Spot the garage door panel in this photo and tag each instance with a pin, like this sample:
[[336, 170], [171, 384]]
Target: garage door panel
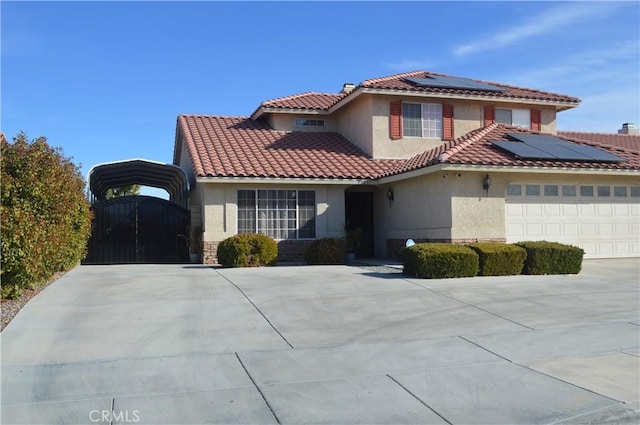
[[587, 210], [605, 230], [570, 229], [602, 226], [604, 210], [553, 229], [569, 210], [533, 210]]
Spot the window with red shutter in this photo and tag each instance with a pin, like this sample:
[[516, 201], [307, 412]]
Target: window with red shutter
[[395, 120], [536, 119], [447, 121], [489, 115]]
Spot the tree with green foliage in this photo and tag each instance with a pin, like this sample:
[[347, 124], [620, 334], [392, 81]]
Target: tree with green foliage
[[132, 189], [45, 215]]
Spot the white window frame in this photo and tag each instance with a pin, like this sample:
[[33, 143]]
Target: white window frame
[[517, 117], [274, 207], [430, 120]]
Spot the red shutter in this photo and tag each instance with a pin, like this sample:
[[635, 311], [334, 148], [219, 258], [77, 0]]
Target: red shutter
[[489, 115], [536, 118], [447, 122], [395, 120]]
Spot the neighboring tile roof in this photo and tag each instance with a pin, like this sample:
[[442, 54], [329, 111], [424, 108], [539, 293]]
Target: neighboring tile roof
[[398, 82], [625, 141], [241, 147], [307, 100], [475, 149]]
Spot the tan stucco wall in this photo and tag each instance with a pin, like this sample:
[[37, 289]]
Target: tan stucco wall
[[421, 209], [355, 123], [220, 210], [365, 122]]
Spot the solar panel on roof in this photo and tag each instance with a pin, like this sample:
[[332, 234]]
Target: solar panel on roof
[[534, 138], [595, 153], [453, 83], [534, 146], [523, 150]]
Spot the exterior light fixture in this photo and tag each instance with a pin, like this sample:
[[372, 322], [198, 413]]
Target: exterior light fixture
[[390, 195], [486, 183]]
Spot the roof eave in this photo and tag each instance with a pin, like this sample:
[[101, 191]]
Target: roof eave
[[534, 169], [262, 110], [285, 180], [561, 106]]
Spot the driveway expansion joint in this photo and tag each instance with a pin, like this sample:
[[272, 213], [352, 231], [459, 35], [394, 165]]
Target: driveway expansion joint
[[472, 305], [418, 398], [256, 307], [266, 402]]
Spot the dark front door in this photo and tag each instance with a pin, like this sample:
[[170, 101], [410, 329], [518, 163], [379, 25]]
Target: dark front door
[[359, 214], [138, 229]]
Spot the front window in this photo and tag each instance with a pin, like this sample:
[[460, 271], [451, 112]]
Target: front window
[[279, 214], [422, 120], [514, 117]]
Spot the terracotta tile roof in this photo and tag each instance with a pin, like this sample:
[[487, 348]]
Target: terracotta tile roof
[[399, 82], [625, 141], [475, 149], [241, 147], [307, 100]]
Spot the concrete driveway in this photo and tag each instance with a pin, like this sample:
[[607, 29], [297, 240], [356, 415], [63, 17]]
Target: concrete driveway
[[171, 344]]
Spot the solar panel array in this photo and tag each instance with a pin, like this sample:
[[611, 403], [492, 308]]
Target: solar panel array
[[453, 83], [533, 146]]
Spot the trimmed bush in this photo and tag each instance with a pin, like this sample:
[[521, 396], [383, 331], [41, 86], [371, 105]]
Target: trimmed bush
[[325, 251], [45, 215], [248, 250], [551, 258], [499, 259], [440, 260]]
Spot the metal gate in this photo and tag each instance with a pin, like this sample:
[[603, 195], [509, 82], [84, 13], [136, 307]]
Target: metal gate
[[138, 229]]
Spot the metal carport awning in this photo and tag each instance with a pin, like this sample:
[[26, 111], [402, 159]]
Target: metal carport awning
[[143, 172]]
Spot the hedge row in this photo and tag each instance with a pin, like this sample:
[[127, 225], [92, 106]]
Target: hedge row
[[442, 260], [45, 215]]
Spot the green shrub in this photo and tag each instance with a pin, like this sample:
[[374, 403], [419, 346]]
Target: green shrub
[[325, 251], [551, 258], [499, 259], [440, 260], [45, 215], [248, 250]]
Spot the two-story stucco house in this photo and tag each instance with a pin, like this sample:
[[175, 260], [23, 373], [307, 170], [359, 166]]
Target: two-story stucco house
[[416, 155]]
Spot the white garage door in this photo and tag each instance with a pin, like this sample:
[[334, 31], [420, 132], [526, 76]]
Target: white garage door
[[602, 220]]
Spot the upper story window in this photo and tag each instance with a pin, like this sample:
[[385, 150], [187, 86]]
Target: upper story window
[[303, 122], [514, 117], [422, 120], [525, 118]]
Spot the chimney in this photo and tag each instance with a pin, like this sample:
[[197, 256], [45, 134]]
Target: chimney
[[629, 128], [347, 88]]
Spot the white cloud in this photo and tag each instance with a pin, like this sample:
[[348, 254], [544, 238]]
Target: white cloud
[[602, 112], [591, 68], [551, 20]]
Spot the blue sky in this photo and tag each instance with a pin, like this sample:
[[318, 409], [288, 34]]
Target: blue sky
[[106, 80]]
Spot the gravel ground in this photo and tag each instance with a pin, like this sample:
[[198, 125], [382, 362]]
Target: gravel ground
[[11, 307]]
